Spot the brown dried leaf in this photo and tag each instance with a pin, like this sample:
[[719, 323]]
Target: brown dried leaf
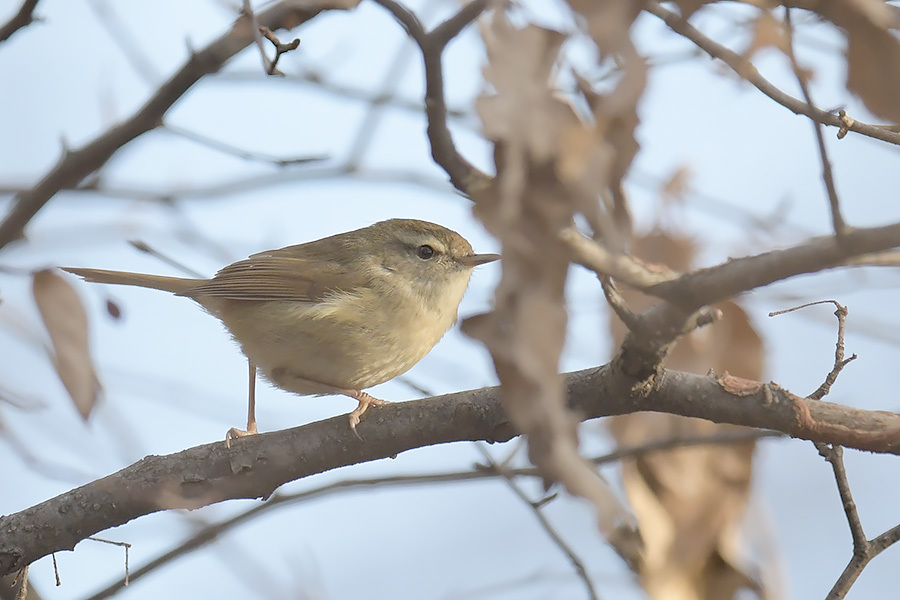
[[523, 113], [66, 321], [873, 53], [873, 57], [689, 502], [768, 33], [525, 207], [608, 22]]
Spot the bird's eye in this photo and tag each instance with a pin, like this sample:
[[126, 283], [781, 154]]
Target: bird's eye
[[425, 252]]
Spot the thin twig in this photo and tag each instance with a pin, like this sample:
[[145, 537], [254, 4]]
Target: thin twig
[[837, 220], [605, 262], [239, 152], [742, 67], [386, 90], [535, 507], [125, 40], [463, 175], [280, 48], [618, 304], [125, 545], [839, 361], [864, 550], [247, 11], [147, 249], [75, 165], [312, 77]]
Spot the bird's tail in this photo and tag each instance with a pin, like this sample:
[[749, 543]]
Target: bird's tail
[[177, 285]]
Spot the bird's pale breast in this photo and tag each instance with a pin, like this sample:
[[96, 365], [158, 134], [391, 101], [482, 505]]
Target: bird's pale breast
[[350, 340]]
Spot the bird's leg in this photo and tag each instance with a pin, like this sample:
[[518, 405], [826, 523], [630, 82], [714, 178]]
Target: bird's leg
[[284, 378], [234, 432]]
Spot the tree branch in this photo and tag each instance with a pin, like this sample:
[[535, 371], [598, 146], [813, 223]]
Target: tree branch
[[707, 286], [747, 71], [213, 531], [257, 465], [75, 165], [21, 19], [463, 175], [837, 220]]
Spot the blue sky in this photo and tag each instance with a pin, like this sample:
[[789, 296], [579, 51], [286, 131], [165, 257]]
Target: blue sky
[[173, 379]]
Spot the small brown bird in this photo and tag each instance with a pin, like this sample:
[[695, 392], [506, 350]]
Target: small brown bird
[[337, 315]]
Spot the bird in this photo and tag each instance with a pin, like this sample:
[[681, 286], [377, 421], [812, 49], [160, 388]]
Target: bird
[[336, 315]]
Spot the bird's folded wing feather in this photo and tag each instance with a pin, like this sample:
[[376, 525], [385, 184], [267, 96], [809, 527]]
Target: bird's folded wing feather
[[273, 276]]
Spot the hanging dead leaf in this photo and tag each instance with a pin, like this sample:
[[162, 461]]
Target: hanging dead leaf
[[608, 22], [873, 52], [690, 502], [767, 33], [524, 113], [66, 321], [546, 162], [873, 59]]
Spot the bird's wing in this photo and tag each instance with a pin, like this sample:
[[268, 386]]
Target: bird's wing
[[276, 276]]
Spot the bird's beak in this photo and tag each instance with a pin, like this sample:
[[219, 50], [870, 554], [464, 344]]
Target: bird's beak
[[473, 260]]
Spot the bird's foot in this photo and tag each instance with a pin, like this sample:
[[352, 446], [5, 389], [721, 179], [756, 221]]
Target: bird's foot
[[365, 401], [235, 433]]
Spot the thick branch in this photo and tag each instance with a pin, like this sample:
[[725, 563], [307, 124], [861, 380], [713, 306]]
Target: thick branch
[[256, 466], [728, 279], [75, 165]]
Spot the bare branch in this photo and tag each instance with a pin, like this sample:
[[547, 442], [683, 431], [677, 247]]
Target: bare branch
[[746, 70], [863, 549], [258, 465], [247, 13], [605, 262], [213, 531], [75, 165], [280, 48], [839, 361], [837, 220], [535, 508], [239, 152], [21, 19], [707, 286], [463, 175], [124, 39]]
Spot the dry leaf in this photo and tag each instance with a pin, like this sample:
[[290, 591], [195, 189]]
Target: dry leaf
[[873, 53], [767, 33], [66, 321], [608, 22], [689, 502], [539, 141], [523, 113]]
